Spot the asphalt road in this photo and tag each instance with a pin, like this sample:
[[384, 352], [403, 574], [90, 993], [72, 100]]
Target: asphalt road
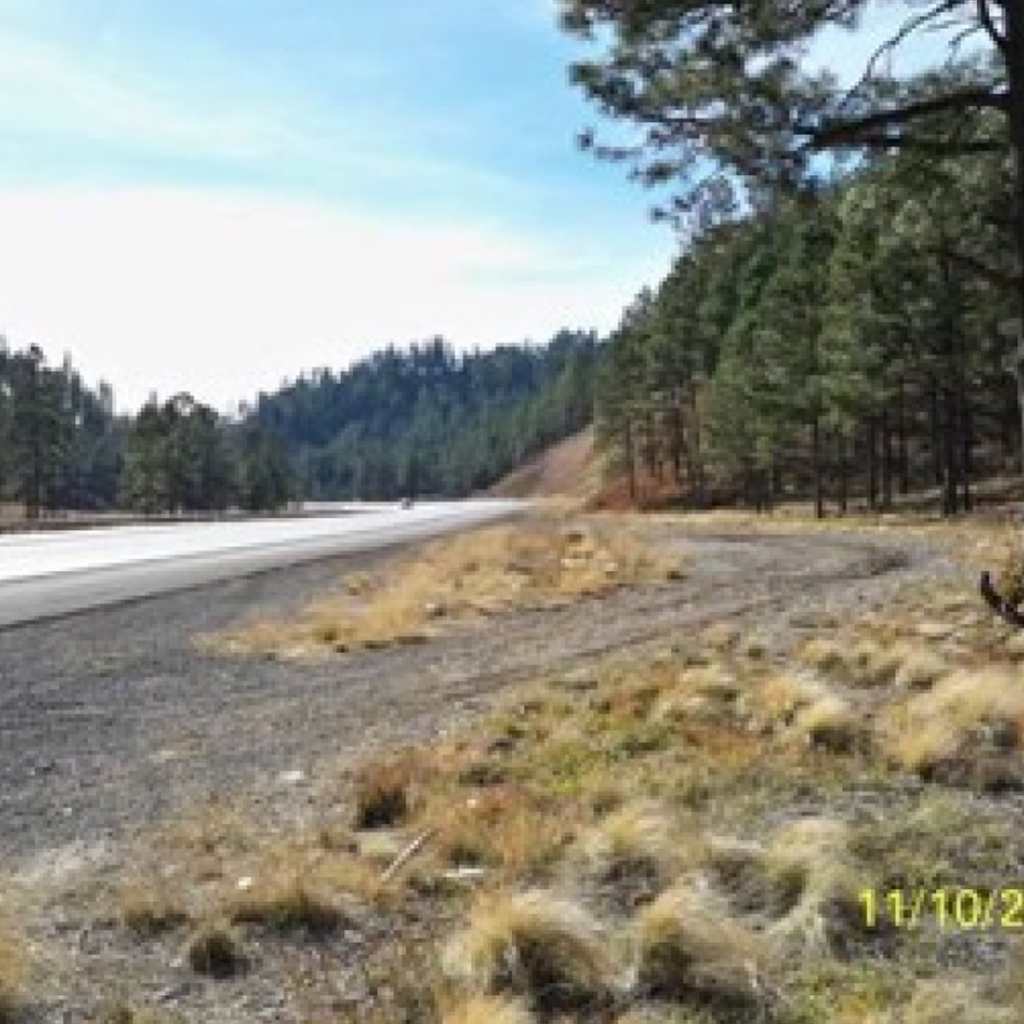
[[52, 574]]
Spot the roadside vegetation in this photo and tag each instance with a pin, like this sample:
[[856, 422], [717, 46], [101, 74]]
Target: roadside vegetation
[[13, 968], [681, 834], [537, 563]]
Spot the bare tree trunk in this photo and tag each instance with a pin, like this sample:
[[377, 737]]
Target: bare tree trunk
[[630, 461], [886, 460], [966, 439], [935, 428], [902, 453], [696, 441], [1012, 46], [819, 494], [844, 473], [872, 465]]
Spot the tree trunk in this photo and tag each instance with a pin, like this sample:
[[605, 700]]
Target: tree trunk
[[844, 473], [630, 461], [695, 443], [819, 494], [1013, 52], [872, 465], [902, 453], [966, 440], [935, 429], [951, 500], [951, 388], [677, 440], [886, 460]]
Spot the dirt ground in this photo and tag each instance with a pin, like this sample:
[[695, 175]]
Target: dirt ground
[[113, 721]]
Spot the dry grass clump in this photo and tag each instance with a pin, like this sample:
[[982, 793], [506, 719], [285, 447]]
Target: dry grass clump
[[809, 861], [13, 971], [869, 662], [215, 951], [953, 1002], [535, 945], [720, 636], [535, 563], [782, 696], [683, 705], [635, 850], [147, 908], [832, 724], [505, 829], [296, 889], [872, 664], [970, 715], [690, 950], [826, 656], [488, 1010], [383, 791], [920, 670]]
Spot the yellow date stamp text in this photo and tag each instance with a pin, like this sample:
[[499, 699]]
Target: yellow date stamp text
[[954, 907]]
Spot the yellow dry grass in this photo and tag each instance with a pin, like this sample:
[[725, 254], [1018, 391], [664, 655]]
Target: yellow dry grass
[[783, 695], [147, 907], [637, 839], [689, 948], [969, 709], [296, 886], [533, 944], [511, 832], [831, 723], [538, 563], [809, 863], [953, 1001], [488, 1010], [13, 971]]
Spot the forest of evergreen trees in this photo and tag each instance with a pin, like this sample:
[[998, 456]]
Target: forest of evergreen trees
[[428, 421], [832, 345], [63, 448], [419, 422], [844, 322]]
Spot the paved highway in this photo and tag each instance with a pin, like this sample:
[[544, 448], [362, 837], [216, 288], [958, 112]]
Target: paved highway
[[49, 574]]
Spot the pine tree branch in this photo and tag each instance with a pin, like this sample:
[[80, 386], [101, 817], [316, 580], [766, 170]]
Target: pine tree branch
[[908, 27], [987, 273], [836, 132], [989, 24], [938, 147]]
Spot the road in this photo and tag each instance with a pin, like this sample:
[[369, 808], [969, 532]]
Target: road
[[50, 574]]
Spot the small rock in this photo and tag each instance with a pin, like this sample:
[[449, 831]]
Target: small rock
[[465, 874], [173, 993], [934, 630], [292, 777]]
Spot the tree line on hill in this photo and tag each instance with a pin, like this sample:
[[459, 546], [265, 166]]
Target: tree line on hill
[[62, 447], [423, 421], [845, 318], [430, 421]]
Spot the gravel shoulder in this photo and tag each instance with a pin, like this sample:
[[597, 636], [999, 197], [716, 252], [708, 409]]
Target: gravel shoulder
[[111, 720]]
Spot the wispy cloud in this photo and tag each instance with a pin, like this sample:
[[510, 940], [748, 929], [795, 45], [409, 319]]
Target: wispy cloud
[[223, 296], [46, 90], [212, 195]]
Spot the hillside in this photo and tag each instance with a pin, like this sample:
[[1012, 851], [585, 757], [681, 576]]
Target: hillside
[[566, 469], [429, 421]]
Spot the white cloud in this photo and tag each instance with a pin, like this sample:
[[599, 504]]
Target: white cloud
[[222, 295]]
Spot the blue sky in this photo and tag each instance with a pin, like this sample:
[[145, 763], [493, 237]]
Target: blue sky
[[211, 195]]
